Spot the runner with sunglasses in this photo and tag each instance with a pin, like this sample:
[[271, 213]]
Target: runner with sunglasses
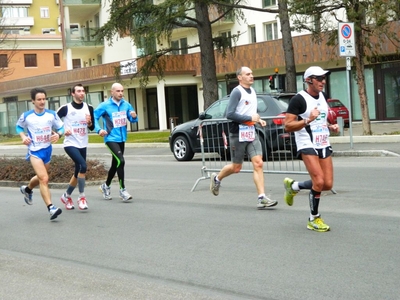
[[307, 116]]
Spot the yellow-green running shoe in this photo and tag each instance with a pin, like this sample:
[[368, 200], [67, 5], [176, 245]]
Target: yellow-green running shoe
[[317, 225], [289, 192]]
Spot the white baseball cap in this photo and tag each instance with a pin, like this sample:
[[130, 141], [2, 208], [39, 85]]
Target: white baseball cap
[[315, 71]]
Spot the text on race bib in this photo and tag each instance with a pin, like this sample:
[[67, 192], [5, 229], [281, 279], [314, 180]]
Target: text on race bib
[[119, 119], [247, 133]]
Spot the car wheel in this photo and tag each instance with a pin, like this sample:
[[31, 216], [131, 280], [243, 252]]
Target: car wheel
[[182, 150]]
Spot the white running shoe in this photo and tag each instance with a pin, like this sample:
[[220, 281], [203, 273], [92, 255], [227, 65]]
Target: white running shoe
[[266, 202], [67, 200], [106, 191], [82, 204], [125, 196], [214, 185], [27, 197], [54, 212]]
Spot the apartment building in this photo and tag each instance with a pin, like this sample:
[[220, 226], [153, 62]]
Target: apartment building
[[31, 38], [179, 95]]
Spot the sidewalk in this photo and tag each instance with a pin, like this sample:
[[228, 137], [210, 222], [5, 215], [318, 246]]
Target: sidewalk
[[382, 132], [378, 128], [381, 143]]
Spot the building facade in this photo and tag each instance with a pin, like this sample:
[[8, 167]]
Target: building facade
[[179, 95]]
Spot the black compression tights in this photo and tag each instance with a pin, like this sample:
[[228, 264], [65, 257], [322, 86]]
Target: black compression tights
[[117, 163]]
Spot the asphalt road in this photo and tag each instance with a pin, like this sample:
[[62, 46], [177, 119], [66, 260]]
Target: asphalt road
[[171, 243]]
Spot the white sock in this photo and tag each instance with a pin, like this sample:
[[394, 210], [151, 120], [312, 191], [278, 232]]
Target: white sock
[[295, 186]]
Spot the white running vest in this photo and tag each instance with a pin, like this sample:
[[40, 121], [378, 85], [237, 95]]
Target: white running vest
[[317, 135], [247, 105], [75, 120]]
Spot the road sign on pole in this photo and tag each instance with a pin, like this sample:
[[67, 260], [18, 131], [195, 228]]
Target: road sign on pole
[[347, 45], [347, 48]]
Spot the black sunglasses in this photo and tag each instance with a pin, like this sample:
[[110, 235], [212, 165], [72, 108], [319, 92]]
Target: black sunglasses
[[319, 78]]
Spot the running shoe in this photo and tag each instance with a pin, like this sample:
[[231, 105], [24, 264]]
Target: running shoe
[[67, 200], [106, 191], [54, 212], [27, 197], [289, 192], [266, 202], [317, 225], [214, 185], [125, 196], [82, 204]]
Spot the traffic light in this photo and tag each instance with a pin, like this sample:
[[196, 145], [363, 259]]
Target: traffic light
[[272, 82]]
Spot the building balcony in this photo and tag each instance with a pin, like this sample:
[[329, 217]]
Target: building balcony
[[61, 79], [17, 22], [259, 56], [215, 14], [81, 37], [81, 2], [18, 2]]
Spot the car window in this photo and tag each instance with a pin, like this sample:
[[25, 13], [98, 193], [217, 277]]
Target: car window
[[217, 109], [285, 98], [270, 104], [261, 105], [283, 104], [335, 103]]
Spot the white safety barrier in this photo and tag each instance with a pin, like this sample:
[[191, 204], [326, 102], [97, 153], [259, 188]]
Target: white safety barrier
[[279, 148]]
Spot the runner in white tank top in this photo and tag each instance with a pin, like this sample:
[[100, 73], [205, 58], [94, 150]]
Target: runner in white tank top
[[75, 121], [307, 116], [78, 120], [243, 138], [317, 135]]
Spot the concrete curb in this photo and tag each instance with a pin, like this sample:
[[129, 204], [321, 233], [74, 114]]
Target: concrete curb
[[333, 140], [353, 153], [52, 185], [365, 139], [95, 145]]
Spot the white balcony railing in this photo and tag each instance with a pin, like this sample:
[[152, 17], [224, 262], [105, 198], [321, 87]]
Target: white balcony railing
[[13, 2], [17, 22]]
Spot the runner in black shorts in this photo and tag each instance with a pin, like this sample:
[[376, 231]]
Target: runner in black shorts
[[321, 153], [307, 116]]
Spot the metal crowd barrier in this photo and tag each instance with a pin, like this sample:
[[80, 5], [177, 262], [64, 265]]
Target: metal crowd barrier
[[279, 148]]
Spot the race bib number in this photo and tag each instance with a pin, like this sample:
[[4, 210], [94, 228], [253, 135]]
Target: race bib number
[[320, 136], [119, 119], [42, 138], [79, 128], [42, 135], [247, 133]]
